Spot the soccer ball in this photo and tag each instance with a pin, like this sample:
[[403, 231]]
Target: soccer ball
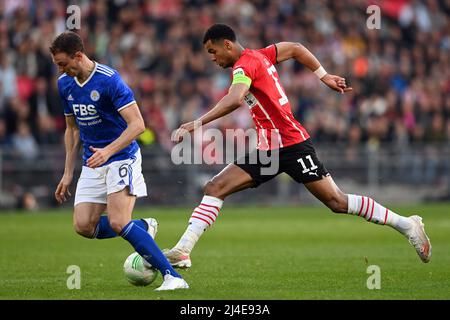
[[136, 272]]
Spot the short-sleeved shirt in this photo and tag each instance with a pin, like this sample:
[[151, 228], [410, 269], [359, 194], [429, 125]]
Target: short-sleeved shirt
[[266, 99], [96, 104]]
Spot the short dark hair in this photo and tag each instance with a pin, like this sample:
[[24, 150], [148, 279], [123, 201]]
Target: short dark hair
[[219, 32], [68, 42]]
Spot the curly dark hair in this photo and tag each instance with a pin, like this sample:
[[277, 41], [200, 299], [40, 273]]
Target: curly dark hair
[[219, 32]]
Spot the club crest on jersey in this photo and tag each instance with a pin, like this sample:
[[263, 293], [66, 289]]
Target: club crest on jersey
[[95, 95]]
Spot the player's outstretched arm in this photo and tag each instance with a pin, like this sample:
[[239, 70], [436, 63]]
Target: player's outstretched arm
[[230, 102], [135, 126], [72, 144], [292, 50]]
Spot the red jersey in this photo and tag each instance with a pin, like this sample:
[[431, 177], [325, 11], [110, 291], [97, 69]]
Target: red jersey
[[267, 101]]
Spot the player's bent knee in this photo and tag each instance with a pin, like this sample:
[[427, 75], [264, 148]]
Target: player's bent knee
[[84, 229]]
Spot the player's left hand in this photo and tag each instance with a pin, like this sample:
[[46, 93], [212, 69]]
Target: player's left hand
[[184, 129], [336, 83], [100, 156]]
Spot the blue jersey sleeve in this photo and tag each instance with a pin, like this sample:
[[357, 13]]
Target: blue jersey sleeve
[[67, 110], [120, 94]]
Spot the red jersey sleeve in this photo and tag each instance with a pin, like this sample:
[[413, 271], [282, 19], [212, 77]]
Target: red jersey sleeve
[[270, 52], [247, 65]]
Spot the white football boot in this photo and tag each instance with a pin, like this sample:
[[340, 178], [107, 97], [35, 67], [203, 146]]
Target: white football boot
[[178, 258], [152, 226], [172, 283], [418, 238]]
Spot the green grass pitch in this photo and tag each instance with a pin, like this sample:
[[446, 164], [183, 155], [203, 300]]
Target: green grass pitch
[[286, 253]]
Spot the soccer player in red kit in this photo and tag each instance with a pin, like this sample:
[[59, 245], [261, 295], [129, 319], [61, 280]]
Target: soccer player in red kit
[[255, 81]]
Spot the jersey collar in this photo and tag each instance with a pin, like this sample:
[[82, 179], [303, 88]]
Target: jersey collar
[[242, 54], [89, 78]]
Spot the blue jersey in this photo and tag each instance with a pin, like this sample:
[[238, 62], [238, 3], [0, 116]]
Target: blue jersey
[[95, 104]]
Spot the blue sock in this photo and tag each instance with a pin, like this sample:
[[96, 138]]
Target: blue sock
[[103, 229], [144, 244]]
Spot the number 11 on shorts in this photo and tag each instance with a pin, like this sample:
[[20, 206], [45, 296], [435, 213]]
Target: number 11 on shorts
[[306, 169]]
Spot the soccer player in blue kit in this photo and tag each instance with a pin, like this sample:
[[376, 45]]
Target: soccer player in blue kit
[[102, 114]]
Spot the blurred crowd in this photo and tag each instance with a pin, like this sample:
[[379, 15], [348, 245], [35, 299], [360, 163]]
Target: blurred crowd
[[400, 73]]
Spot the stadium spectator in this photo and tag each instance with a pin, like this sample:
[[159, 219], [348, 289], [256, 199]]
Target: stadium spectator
[[24, 145], [8, 86]]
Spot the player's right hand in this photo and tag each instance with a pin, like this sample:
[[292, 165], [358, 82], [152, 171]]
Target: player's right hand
[[62, 190], [336, 83]]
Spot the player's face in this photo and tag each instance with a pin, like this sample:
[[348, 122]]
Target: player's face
[[67, 64], [220, 52]]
